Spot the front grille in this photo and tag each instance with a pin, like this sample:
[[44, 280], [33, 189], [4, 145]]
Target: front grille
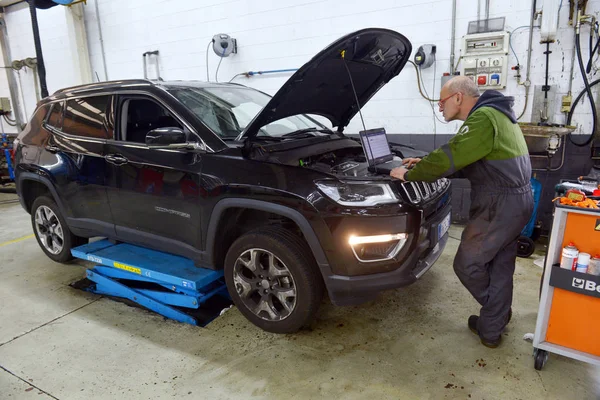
[[420, 192]]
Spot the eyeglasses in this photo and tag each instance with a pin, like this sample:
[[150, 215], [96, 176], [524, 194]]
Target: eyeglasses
[[442, 101]]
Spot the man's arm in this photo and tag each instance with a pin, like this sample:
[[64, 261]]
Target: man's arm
[[474, 141]]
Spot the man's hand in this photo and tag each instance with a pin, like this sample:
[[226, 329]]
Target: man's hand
[[398, 173], [409, 162]]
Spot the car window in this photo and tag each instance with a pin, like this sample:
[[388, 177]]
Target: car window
[[56, 115], [139, 116], [87, 117], [34, 135], [227, 111]]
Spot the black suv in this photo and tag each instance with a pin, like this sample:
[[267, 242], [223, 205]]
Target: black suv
[[234, 179]]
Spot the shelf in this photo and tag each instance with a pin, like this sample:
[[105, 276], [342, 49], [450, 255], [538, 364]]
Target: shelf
[[576, 282]]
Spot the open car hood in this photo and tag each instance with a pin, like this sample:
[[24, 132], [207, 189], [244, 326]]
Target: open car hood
[[322, 86]]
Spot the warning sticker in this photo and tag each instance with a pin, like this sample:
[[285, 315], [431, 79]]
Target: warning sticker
[[598, 225], [128, 268]]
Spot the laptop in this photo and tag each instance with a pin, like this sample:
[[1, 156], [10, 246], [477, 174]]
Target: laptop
[[377, 150]]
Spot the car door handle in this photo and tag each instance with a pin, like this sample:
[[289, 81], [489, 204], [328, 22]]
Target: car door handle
[[116, 159], [52, 148]]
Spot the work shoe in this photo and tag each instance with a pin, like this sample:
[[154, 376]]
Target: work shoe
[[492, 344]]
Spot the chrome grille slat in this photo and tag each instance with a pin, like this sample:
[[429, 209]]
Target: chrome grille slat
[[418, 192]]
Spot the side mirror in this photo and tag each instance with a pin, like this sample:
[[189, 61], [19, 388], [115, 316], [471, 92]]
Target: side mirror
[[165, 136]]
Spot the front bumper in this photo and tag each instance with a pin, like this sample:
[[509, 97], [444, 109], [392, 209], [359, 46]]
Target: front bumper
[[353, 290]]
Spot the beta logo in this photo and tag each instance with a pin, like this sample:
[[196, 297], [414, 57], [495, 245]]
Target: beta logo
[[585, 285]]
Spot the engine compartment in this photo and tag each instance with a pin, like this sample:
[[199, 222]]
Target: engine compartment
[[335, 162], [337, 156]]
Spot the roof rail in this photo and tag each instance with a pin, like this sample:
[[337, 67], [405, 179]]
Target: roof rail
[[103, 84]]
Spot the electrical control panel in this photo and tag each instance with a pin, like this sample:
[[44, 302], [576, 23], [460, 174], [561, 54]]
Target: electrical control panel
[[485, 59], [5, 105]]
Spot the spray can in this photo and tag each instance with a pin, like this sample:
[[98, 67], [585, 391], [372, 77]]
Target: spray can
[[569, 257], [583, 262], [594, 267]]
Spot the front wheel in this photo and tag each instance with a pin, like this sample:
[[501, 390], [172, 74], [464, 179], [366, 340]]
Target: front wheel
[[273, 279], [51, 230]]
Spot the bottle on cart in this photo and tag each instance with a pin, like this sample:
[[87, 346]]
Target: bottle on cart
[[569, 257], [583, 262], [594, 267]]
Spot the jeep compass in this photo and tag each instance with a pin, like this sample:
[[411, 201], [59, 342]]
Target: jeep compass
[[269, 189]]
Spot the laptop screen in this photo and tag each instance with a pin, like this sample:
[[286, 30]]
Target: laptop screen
[[375, 145]]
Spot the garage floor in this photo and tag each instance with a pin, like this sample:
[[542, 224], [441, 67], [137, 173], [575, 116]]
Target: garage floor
[[62, 343]]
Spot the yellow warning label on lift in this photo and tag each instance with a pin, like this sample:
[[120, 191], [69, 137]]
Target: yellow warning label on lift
[[598, 225], [126, 267]]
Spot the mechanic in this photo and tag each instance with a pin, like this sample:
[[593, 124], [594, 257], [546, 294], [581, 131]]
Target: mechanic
[[490, 151]]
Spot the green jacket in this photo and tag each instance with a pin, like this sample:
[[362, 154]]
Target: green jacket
[[489, 150]]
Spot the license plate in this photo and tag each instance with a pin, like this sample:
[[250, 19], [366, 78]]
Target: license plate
[[443, 226]]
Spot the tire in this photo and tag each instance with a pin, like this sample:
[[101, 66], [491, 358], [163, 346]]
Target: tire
[[526, 247], [278, 299], [49, 229]]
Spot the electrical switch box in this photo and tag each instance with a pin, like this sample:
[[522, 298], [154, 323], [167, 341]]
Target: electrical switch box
[[485, 59], [5, 105]]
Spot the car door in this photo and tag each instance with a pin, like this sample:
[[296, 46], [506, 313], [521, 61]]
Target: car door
[[154, 194], [74, 159]]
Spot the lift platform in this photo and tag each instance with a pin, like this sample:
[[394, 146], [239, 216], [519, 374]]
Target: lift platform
[[164, 283]]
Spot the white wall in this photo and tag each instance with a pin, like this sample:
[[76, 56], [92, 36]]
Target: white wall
[[281, 34], [55, 46]]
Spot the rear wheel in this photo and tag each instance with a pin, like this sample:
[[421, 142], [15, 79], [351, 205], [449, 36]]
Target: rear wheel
[[51, 231], [273, 279]]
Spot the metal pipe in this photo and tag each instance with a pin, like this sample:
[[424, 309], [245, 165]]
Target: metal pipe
[[452, 44], [38, 48], [575, 9], [478, 11], [573, 55], [527, 82], [22, 95], [546, 88], [35, 84], [145, 67], [12, 83], [101, 40], [487, 9], [533, 13]]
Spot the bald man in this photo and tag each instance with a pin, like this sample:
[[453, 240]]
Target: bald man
[[490, 151]]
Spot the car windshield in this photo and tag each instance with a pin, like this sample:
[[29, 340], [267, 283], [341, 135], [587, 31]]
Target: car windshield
[[228, 110]]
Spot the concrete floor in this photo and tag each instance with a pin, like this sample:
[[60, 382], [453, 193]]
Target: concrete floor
[[59, 342]]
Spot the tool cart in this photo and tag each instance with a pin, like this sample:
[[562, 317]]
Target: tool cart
[[568, 321]]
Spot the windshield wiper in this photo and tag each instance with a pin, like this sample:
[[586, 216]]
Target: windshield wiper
[[305, 132], [267, 138]]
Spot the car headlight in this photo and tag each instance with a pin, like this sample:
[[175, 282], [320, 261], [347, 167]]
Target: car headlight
[[358, 194]]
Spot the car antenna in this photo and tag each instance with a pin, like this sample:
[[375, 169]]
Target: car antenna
[[343, 54]]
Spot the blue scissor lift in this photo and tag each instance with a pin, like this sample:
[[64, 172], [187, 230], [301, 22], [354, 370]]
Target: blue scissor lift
[[164, 283]]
